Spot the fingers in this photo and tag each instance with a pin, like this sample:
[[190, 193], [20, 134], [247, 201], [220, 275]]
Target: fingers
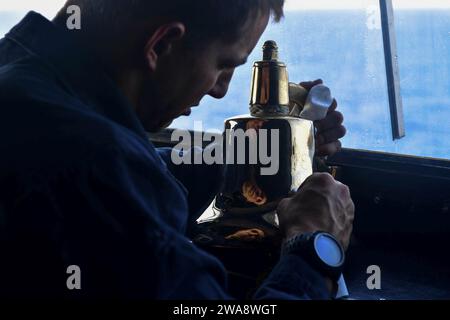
[[330, 136], [320, 178], [333, 119], [349, 226], [329, 131], [283, 204], [323, 179], [321, 204], [328, 149], [344, 190], [310, 84], [351, 210], [333, 106], [346, 217]]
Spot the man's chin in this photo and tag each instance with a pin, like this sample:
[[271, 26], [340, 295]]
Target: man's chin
[[155, 129], [165, 126], [165, 123]]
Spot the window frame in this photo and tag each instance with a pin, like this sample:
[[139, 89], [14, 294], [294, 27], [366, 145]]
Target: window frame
[[392, 69]]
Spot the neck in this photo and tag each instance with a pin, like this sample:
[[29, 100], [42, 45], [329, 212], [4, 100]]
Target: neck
[[129, 83]]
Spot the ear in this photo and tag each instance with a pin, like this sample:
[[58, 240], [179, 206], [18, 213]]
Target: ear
[[161, 42]]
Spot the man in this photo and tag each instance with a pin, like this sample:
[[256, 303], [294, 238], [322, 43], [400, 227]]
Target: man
[[82, 186]]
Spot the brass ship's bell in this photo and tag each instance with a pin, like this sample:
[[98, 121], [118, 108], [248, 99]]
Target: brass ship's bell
[[269, 153]]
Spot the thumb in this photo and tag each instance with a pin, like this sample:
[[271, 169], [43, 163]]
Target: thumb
[[310, 84]]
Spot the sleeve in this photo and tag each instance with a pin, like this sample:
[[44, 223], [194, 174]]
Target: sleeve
[[201, 180], [111, 218], [293, 279]]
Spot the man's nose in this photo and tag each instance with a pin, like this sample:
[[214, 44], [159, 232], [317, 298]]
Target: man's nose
[[220, 89]]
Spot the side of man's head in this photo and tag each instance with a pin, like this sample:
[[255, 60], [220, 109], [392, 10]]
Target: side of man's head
[[166, 55]]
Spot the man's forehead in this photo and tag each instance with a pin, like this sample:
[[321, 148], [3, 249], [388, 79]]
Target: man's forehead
[[239, 50], [233, 57]]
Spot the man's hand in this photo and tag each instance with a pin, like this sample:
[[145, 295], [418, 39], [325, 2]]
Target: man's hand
[[321, 204], [330, 129]]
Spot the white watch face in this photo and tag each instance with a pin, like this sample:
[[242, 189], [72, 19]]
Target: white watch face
[[328, 250]]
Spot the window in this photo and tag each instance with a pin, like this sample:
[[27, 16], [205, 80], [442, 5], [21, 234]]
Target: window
[[342, 43], [423, 37], [12, 11]]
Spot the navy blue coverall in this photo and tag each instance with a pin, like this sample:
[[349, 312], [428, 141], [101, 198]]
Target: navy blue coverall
[[81, 184]]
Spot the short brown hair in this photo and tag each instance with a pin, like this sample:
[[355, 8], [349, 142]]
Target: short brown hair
[[203, 18], [222, 18]]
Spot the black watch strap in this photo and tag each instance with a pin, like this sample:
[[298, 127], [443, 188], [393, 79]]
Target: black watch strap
[[304, 246]]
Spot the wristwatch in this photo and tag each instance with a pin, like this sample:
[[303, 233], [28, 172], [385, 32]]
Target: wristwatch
[[321, 250]]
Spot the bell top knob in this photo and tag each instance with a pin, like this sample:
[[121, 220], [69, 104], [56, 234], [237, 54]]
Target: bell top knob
[[270, 51]]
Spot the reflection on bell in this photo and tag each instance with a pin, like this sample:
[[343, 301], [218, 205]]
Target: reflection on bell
[[269, 154]]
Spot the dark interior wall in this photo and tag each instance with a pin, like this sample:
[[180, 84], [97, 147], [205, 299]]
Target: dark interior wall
[[396, 194], [402, 225]]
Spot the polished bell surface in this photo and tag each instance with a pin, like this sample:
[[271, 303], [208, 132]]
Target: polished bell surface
[[253, 186]]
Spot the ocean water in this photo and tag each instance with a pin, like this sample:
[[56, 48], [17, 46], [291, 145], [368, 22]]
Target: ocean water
[[345, 49]]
